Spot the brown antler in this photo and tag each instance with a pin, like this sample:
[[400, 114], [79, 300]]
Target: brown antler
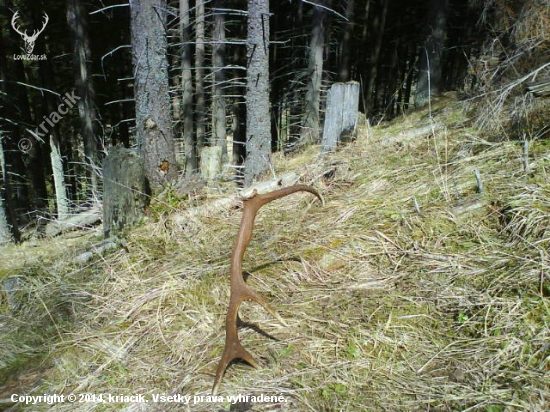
[[240, 291]]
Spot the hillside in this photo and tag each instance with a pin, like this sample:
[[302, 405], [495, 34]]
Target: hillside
[[411, 289]]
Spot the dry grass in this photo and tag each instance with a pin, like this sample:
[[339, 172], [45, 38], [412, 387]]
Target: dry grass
[[508, 61], [389, 307]]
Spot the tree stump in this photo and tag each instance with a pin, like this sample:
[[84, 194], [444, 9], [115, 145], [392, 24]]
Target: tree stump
[[341, 114], [126, 192], [211, 162]]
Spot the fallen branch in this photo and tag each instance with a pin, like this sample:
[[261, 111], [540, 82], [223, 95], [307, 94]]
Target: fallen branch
[[230, 202], [99, 248]]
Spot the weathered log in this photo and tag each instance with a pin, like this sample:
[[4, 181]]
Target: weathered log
[[341, 114], [125, 189], [99, 248], [233, 200], [78, 221]]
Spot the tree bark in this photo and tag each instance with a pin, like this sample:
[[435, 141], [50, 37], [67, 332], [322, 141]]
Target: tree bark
[[310, 124], [200, 108], [5, 234], [126, 192], [218, 99], [56, 159], [5, 228], [78, 24], [154, 133], [344, 74], [238, 108], [191, 164], [341, 114], [258, 119], [379, 27]]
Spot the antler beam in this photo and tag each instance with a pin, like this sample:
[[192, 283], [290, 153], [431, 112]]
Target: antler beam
[[240, 291]]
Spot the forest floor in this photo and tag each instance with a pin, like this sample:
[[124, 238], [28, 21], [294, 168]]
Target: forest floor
[[411, 289]]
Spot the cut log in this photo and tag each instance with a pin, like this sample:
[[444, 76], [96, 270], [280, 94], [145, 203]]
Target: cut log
[[125, 189], [341, 115]]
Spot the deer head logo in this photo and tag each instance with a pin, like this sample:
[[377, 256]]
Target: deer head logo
[[29, 40]]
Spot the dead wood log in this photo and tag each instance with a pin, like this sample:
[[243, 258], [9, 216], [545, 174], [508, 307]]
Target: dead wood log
[[235, 199], [99, 248], [78, 221]]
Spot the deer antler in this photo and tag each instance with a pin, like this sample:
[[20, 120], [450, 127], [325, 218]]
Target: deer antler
[[240, 291]]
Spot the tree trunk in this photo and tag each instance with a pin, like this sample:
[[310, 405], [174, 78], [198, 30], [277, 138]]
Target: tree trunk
[[344, 74], [392, 85], [153, 118], [310, 123], [258, 119], [238, 111], [5, 233], [431, 55], [410, 77], [239, 137], [5, 228], [56, 159], [78, 23], [379, 27], [219, 123], [58, 177], [191, 164], [125, 189], [199, 74]]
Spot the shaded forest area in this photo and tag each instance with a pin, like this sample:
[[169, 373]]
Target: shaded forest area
[[89, 56]]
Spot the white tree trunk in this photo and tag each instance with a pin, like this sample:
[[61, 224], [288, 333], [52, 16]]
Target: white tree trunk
[[5, 233], [59, 179]]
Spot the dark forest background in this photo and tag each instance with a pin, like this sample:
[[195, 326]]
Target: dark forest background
[[402, 53]]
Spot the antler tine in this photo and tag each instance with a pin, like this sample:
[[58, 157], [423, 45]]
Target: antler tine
[[240, 291], [14, 24], [37, 32], [46, 20]]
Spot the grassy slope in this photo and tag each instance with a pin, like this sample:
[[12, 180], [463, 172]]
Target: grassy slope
[[389, 308]]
